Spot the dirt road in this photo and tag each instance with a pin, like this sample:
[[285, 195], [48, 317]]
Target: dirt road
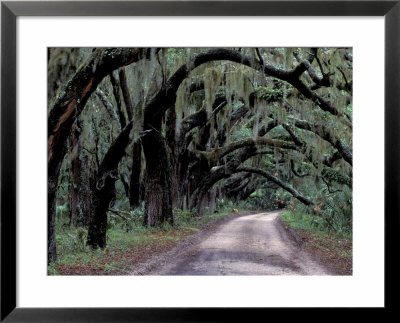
[[255, 244]]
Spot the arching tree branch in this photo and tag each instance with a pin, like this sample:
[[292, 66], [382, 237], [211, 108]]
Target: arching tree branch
[[260, 141], [70, 103], [278, 182], [325, 134]]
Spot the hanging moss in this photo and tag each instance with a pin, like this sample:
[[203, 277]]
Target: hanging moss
[[212, 80], [288, 57]]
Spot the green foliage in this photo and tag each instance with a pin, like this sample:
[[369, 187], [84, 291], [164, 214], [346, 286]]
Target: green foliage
[[335, 176], [257, 193], [77, 241], [137, 215], [173, 54], [183, 217], [133, 218], [300, 220], [332, 212], [260, 199], [71, 240], [223, 204], [62, 210], [268, 94], [243, 133], [51, 270], [337, 212]]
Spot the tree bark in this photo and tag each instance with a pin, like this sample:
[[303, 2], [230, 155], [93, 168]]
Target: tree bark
[[109, 107], [170, 125], [116, 86], [158, 196], [126, 94], [135, 187], [79, 189], [52, 173], [103, 190]]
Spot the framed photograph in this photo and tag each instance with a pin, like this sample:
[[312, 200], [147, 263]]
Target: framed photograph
[[240, 70]]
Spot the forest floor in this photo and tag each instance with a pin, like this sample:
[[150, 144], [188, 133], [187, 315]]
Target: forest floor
[[252, 243]]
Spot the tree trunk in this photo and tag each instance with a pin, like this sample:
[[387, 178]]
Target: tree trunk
[[174, 157], [158, 197], [53, 172], [126, 94], [207, 203], [101, 198], [102, 188], [116, 86], [51, 228], [134, 191], [79, 189]]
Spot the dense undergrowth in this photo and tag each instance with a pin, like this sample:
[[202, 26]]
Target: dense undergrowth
[[314, 223]]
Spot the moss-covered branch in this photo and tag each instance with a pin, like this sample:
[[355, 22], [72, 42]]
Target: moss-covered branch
[[327, 135], [219, 153], [278, 182]]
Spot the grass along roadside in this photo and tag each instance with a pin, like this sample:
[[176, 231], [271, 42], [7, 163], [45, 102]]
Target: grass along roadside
[[127, 244], [333, 250]]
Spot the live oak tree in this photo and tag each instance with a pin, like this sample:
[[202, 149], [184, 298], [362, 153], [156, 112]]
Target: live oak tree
[[181, 127], [68, 105]]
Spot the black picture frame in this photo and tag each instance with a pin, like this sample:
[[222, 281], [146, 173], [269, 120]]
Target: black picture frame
[[11, 10]]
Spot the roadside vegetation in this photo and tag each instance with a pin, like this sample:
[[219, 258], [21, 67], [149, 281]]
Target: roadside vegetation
[[128, 241], [329, 240]]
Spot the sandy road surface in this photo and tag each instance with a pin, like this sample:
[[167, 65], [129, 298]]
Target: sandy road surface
[[255, 244]]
